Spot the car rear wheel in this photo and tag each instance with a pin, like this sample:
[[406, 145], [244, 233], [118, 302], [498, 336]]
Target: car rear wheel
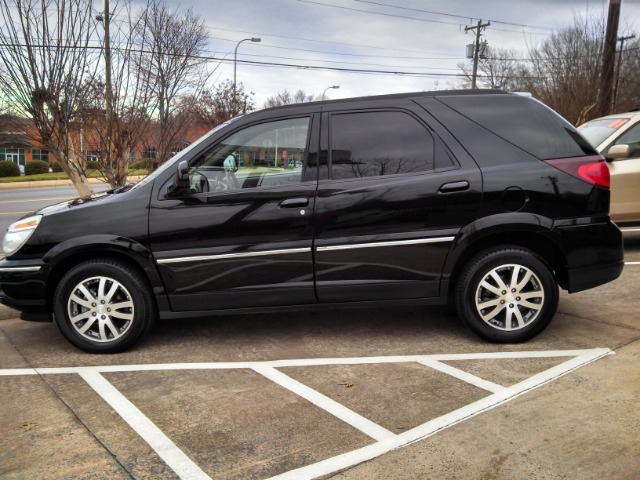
[[103, 306], [507, 295]]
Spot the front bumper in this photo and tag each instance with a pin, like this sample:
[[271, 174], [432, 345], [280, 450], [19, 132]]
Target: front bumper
[[23, 288]]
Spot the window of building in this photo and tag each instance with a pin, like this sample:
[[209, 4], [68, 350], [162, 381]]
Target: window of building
[[14, 154], [149, 152], [38, 154], [93, 155]]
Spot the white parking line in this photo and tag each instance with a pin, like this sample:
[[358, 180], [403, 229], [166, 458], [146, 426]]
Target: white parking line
[[385, 440], [427, 429], [175, 458], [366, 426], [462, 375]]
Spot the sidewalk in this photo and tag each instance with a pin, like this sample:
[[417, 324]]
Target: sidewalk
[[57, 183]]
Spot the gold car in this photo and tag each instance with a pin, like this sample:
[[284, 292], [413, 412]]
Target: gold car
[[617, 138]]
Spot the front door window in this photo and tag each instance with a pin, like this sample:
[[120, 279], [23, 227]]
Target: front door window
[[265, 155]]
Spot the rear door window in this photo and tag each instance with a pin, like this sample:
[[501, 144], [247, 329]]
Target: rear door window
[[374, 144]]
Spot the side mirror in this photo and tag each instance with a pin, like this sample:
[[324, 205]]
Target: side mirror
[[181, 181], [618, 151]]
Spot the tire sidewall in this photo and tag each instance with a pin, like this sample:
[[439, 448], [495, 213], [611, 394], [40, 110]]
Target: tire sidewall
[[143, 309], [478, 269]]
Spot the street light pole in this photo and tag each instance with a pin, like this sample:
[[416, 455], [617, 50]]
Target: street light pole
[[328, 88], [235, 58]]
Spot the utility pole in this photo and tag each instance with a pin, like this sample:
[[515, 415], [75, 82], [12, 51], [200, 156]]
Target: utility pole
[[605, 94], [476, 51], [615, 90], [105, 18]]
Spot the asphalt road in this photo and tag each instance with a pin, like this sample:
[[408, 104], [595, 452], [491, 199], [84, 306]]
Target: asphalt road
[[366, 393], [16, 203]]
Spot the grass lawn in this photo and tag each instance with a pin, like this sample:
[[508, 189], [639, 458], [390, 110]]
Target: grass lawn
[[58, 176]]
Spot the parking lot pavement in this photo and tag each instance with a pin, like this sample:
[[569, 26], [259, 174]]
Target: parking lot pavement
[[363, 393]]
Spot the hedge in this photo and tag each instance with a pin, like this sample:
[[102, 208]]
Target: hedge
[[35, 167], [9, 168]]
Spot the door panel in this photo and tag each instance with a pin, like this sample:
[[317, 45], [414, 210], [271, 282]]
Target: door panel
[[625, 178], [625, 190], [243, 236], [386, 224]]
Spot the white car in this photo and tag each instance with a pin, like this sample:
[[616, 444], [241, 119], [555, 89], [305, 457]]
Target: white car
[[617, 138]]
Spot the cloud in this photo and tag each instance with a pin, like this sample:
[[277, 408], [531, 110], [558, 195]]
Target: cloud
[[300, 33]]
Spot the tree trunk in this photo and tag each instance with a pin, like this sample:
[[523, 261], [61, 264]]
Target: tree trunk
[[80, 182], [122, 166], [69, 164]]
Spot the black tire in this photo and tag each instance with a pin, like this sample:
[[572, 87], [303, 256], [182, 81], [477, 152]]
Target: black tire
[[111, 305], [502, 308]]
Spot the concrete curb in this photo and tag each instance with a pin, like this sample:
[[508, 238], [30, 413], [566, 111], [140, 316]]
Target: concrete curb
[[56, 183]]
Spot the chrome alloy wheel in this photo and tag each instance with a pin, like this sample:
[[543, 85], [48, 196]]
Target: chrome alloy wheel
[[509, 297], [100, 309]]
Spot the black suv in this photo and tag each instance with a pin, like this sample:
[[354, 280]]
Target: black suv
[[485, 199]]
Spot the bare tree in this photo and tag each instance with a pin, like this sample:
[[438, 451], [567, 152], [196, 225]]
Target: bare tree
[[46, 43], [628, 92], [172, 65], [499, 69], [112, 138], [219, 104], [285, 98], [565, 69]]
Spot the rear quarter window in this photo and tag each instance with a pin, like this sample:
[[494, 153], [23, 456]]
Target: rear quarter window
[[523, 122]]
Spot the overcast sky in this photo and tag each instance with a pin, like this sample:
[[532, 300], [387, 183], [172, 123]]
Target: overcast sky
[[423, 37]]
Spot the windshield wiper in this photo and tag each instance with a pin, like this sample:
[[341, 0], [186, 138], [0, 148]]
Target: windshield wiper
[[122, 189]]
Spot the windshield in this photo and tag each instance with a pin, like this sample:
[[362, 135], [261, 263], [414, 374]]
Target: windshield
[[171, 162], [597, 131]]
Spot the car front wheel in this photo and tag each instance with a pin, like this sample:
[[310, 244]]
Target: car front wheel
[[507, 295], [103, 306]]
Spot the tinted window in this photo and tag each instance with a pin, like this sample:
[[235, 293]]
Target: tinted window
[[525, 123], [379, 143], [262, 155]]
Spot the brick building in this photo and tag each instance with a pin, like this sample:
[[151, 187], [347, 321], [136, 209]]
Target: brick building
[[19, 142]]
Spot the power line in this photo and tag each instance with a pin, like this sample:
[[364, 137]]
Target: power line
[[263, 45], [463, 17], [342, 7], [343, 62], [270, 34], [426, 74]]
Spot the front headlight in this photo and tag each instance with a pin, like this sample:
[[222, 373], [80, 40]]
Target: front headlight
[[18, 234]]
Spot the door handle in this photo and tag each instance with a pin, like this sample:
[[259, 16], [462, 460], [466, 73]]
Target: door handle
[[454, 187], [294, 202]]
